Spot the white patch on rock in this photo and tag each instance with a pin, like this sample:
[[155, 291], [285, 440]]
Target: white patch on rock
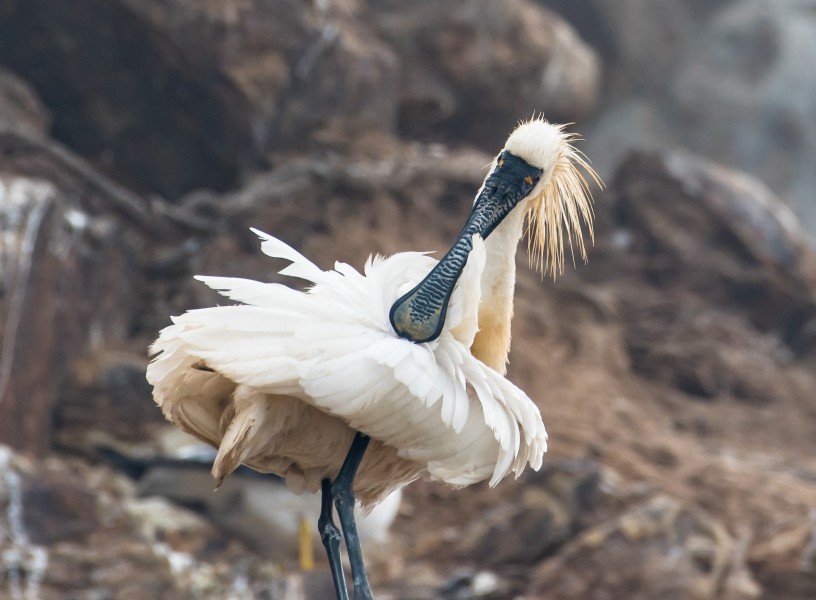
[[24, 563]]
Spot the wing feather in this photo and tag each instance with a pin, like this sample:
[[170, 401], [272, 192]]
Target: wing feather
[[301, 267], [332, 346]]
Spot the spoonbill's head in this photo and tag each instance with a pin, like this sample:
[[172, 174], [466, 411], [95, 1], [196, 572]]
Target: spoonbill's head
[[541, 172]]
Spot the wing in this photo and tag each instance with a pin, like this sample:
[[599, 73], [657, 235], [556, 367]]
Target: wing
[[333, 347]]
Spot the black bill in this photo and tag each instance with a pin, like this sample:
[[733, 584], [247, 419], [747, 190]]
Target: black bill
[[419, 315]]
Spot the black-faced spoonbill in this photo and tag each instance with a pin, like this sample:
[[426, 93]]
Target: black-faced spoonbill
[[365, 382]]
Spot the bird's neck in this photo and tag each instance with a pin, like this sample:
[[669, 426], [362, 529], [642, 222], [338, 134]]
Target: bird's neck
[[492, 342]]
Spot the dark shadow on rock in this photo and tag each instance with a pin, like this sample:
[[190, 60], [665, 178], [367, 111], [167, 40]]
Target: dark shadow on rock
[[123, 94]]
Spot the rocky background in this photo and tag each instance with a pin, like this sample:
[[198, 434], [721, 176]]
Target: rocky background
[[139, 139]]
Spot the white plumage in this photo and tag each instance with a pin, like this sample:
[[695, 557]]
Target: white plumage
[[284, 380]]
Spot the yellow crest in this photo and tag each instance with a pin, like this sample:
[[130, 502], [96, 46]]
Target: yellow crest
[[560, 208]]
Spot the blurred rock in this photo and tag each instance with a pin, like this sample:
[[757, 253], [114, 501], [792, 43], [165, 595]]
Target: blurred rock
[[501, 535], [473, 68], [311, 74], [343, 208], [69, 531], [705, 353], [721, 235], [726, 80], [215, 86], [747, 70], [124, 95], [550, 509], [20, 107], [639, 41], [786, 562], [68, 276], [660, 549], [104, 403]]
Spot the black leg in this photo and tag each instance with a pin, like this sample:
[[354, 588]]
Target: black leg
[[344, 500], [331, 537]]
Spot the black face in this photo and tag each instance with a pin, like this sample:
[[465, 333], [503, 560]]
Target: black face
[[419, 315], [510, 182], [511, 170]]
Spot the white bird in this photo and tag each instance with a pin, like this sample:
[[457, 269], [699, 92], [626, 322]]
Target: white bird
[[242, 504], [377, 378]]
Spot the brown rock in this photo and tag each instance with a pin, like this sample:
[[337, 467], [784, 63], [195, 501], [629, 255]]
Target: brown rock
[[542, 515], [705, 235], [473, 69], [122, 94], [786, 562], [68, 276], [311, 74], [658, 550], [20, 107], [373, 205], [68, 530]]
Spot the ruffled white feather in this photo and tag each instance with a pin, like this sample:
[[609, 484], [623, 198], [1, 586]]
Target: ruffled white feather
[[230, 374]]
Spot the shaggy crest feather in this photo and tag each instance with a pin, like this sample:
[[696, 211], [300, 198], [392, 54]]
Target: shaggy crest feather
[[561, 202]]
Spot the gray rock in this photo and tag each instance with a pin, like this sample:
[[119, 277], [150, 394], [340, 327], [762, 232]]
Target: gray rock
[[734, 87], [639, 41], [751, 71]]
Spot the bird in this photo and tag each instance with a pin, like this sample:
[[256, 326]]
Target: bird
[[362, 382], [241, 506]]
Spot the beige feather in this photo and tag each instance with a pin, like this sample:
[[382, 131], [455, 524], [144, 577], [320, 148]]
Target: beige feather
[[561, 209]]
